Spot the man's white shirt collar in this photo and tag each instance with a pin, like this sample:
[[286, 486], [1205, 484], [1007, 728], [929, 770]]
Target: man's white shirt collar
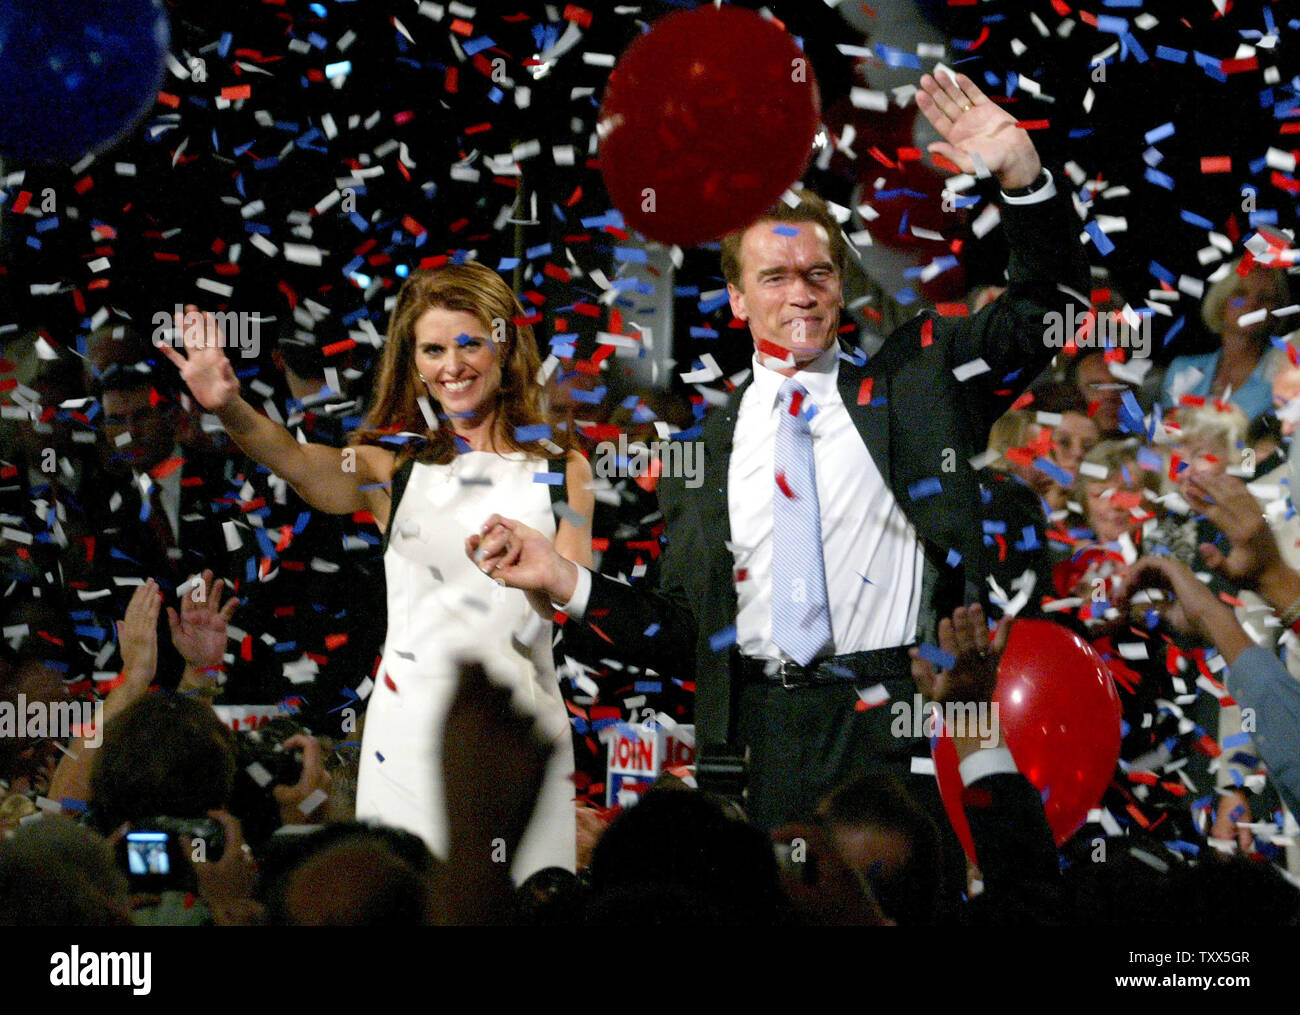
[[820, 378]]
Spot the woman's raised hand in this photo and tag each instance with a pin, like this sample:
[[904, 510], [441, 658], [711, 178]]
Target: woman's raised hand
[[203, 365]]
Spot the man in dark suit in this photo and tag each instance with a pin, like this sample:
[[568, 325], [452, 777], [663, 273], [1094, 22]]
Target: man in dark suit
[[793, 647]]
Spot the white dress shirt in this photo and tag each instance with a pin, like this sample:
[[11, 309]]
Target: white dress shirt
[[871, 552]]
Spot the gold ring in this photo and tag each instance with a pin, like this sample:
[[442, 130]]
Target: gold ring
[[966, 108]]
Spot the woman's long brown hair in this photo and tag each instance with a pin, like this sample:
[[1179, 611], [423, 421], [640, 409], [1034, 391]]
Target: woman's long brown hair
[[480, 291]]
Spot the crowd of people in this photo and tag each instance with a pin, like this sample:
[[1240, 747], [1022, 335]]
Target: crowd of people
[[223, 590]]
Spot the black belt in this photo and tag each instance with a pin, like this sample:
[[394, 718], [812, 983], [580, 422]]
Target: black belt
[[878, 664]]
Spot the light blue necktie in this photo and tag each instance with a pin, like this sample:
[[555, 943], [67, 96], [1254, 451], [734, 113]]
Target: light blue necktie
[[801, 619]]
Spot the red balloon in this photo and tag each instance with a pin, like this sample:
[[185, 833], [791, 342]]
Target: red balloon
[[1060, 715], [706, 120]]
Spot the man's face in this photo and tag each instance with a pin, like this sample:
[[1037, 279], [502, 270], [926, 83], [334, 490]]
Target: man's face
[[790, 289], [139, 435], [1098, 386]]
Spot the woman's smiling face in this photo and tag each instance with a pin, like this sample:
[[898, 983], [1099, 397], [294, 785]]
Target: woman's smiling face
[[458, 361]]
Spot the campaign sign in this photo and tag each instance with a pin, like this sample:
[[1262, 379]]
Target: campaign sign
[[639, 754]]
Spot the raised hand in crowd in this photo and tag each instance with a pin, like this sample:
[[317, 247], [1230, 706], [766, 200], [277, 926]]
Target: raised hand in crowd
[[199, 632], [973, 675], [204, 366], [1194, 609], [137, 637], [1254, 561], [300, 803], [493, 763]]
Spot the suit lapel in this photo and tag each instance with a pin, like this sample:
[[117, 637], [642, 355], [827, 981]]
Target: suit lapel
[[871, 422]]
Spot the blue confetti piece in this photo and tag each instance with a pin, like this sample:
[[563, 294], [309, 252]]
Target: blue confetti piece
[[380, 757], [589, 397], [1157, 134], [636, 255], [953, 558], [652, 630], [1162, 273], [1111, 25], [549, 478], [1159, 179], [723, 639], [995, 528], [712, 304], [72, 804], [1028, 539], [1237, 740], [533, 432], [925, 488], [648, 687], [1099, 238], [1200, 221], [785, 230], [1173, 331], [700, 331], [1050, 468], [935, 655], [905, 297], [1129, 40], [477, 45]]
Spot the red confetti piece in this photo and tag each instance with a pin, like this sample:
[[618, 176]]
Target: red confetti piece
[[166, 467], [927, 333], [21, 202], [578, 15], [1239, 65], [333, 641], [1216, 163], [389, 682], [1032, 124], [334, 348], [954, 309], [864, 390], [461, 27], [234, 92], [785, 486], [168, 99]]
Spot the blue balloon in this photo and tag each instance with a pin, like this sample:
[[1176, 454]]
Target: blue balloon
[[76, 75]]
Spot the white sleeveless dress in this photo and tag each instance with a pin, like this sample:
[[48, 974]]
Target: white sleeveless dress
[[441, 607]]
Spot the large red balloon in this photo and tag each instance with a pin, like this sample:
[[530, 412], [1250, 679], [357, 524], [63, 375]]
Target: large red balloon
[[706, 120], [1060, 715]]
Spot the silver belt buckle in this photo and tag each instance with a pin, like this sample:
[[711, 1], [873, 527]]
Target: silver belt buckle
[[790, 669]]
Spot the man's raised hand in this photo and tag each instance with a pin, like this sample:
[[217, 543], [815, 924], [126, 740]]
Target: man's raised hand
[[971, 125]]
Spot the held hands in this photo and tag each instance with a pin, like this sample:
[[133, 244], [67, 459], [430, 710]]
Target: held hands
[[203, 365], [972, 125], [515, 555]]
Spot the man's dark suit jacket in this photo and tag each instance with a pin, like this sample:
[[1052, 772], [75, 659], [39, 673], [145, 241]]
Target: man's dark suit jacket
[[920, 425]]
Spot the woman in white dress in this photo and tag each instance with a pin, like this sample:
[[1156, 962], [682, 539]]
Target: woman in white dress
[[455, 433]]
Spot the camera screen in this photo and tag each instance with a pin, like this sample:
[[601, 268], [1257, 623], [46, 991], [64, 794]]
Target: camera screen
[[146, 853]]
